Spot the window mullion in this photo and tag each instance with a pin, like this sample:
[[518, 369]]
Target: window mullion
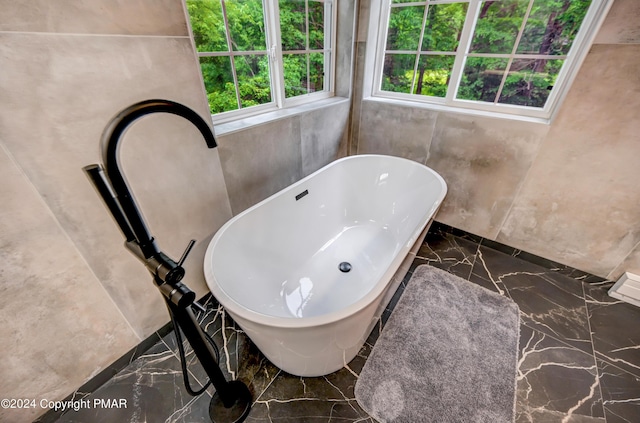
[[417, 61], [231, 56], [463, 49], [234, 74], [328, 53], [276, 71], [513, 51], [307, 55]]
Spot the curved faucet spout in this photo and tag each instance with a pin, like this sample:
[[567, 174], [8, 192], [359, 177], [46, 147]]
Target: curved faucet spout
[[110, 143]]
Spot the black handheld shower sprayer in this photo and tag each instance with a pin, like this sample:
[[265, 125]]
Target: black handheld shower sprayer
[[232, 399]]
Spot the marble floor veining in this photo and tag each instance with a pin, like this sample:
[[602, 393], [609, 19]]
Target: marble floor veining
[[579, 358]]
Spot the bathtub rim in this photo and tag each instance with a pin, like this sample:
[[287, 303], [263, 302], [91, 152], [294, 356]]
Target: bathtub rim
[[325, 319]]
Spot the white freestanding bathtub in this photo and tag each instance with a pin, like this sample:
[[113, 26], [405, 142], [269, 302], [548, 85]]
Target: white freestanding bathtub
[[275, 267]]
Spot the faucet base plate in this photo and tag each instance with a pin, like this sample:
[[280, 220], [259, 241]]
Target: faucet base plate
[[238, 412]]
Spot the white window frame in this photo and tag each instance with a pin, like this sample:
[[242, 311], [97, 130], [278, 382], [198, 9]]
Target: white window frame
[[274, 54], [378, 27]]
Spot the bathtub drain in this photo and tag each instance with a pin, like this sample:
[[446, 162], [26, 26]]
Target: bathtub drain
[[344, 267]]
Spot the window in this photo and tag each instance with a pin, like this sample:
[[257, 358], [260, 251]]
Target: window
[[260, 55], [512, 57]]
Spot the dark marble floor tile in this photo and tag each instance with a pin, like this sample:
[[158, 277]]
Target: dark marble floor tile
[[555, 381], [496, 286], [275, 412], [542, 262], [109, 372], [150, 387], [319, 399], [448, 252], [545, 416], [197, 411], [615, 328], [620, 394], [548, 301]]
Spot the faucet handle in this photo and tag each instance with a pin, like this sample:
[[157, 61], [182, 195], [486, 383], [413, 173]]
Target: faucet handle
[[186, 252]]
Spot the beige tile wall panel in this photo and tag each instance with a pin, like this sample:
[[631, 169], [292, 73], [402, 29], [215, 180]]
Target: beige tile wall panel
[[579, 203], [57, 323], [484, 161], [59, 92], [622, 24], [125, 17], [260, 161], [395, 130]]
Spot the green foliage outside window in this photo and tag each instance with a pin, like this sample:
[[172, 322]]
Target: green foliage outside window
[[246, 58], [495, 69]]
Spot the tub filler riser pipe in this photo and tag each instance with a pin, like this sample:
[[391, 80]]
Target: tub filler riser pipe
[[230, 394], [232, 400]]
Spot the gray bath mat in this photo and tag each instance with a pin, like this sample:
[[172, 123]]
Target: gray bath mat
[[448, 354]]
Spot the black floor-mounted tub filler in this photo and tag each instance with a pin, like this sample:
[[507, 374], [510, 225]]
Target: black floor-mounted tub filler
[[232, 400]]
